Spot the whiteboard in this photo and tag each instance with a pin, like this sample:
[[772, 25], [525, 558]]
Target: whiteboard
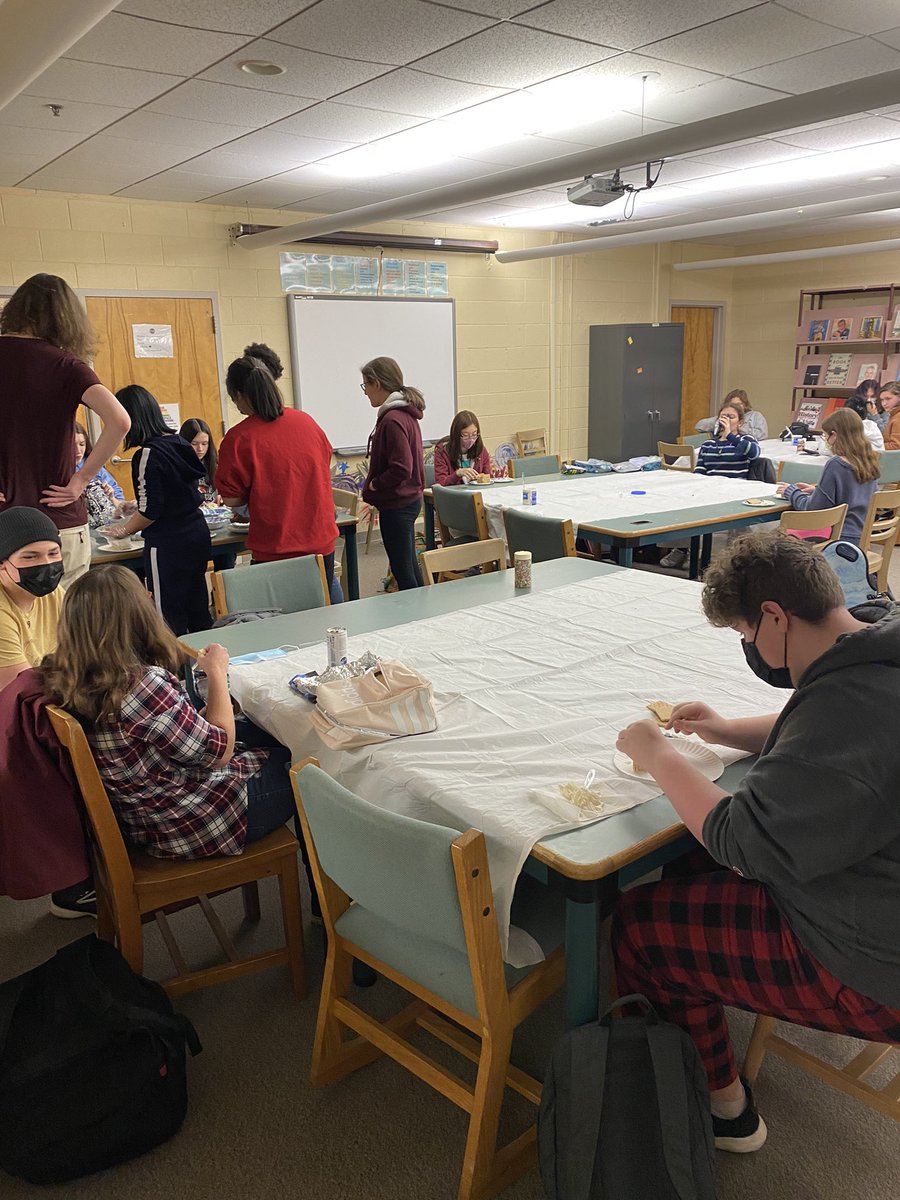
[[331, 338]]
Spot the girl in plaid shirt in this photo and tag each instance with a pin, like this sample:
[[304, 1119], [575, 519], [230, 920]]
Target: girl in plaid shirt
[[180, 783]]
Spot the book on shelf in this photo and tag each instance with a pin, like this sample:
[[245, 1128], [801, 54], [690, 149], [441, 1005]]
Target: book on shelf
[[895, 328], [841, 329], [867, 371], [810, 412], [811, 376], [838, 370], [870, 327], [818, 331]]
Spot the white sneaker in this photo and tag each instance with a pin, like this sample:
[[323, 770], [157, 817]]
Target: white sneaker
[[675, 558]]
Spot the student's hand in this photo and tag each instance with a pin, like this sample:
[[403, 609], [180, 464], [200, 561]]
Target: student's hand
[[57, 496], [213, 659], [699, 718], [642, 742], [805, 487], [779, 490], [466, 474], [117, 529], [108, 490]]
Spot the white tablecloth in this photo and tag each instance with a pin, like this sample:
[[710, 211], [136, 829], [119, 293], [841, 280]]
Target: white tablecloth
[[530, 693], [778, 451]]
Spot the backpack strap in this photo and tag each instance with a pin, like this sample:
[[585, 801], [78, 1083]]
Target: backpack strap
[[587, 1074], [665, 1042]]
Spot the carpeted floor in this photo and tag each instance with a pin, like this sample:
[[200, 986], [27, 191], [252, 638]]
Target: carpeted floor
[[256, 1130]]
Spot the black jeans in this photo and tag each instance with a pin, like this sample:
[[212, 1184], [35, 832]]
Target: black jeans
[[398, 533]]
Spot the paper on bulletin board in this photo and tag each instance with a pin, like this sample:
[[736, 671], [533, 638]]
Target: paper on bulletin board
[[172, 416], [438, 283], [153, 341]]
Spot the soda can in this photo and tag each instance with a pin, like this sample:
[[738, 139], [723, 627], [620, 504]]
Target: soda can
[[533, 499], [336, 642]]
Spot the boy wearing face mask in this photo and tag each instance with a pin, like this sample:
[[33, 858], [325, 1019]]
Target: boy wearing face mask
[[31, 568], [793, 912]]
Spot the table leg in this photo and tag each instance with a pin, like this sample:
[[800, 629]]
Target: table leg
[[351, 562], [706, 552], [588, 904], [625, 555], [430, 542], [694, 563]]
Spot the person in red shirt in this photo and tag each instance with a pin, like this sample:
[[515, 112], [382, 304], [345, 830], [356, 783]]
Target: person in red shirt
[[461, 457], [278, 463]]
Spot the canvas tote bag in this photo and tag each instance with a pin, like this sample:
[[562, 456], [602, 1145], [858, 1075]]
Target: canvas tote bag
[[390, 702]]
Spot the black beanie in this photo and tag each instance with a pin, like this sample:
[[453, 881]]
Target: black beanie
[[21, 526]]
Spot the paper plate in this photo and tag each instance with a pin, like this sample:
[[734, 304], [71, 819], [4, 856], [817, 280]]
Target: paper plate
[[760, 502], [475, 483], [122, 547], [705, 760]]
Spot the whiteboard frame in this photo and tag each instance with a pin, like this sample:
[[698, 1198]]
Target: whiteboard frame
[[292, 331]]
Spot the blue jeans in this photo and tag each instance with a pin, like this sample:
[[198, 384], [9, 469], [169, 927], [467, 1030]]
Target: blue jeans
[[270, 798]]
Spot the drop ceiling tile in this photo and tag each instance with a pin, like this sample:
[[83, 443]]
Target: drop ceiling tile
[[835, 64], [100, 181], [94, 83], [344, 121], [626, 25], [179, 185], [122, 41], [32, 112], [268, 192], [240, 167], [843, 134], [318, 177], [417, 94], [15, 167], [489, 212], [862, 16], [106, 152], [618, 127], [535, 200], [338, 200], [747, 40], [521, 151], [750, 154], [394, 31], [511, 56], [231, 16], [202, 100], [891, 37], [628, 67], [678, 170], [274, 143], [44, 143], [501, 9], [710, 100], [147, 125], [306, 73]]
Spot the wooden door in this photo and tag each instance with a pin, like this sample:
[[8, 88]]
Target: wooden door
[[186, 378], [697, 369]]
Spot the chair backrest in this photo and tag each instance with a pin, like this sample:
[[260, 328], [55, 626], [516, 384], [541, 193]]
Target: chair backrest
[[531, 441], [461, 510], [831, 519], [429, 473], [291, 584], [890, 466], [534, 464], [791, 471], [346, 500], [545, 537], [394, 866], [694, 439], [880, 533], [110, 854], [451, 561], [676, 451]]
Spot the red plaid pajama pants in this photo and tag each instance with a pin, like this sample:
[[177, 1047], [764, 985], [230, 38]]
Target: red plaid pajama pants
[[692, 945]]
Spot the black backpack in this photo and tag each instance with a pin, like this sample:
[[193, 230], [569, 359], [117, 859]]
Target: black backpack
[[625, 1113], [92, 1065], [762, 470]]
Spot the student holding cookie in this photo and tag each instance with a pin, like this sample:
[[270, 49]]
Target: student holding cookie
[[462, 457]]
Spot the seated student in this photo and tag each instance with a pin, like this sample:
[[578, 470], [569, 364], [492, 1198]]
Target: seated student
[[793, 912], [31, 567], [752, 420], [85, 446], [849, 477], [181, 784], [461, 457], [864, 410], [889, 398], [99, 495]]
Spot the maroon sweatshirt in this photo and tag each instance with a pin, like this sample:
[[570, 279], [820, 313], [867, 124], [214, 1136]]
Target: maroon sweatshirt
[[396, 465]]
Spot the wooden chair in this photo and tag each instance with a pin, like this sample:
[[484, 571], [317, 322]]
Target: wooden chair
[[831, 519], [422, 915], [452, 562], [346, 501], [460, 514], [291, 584], [530, 442], [133, 887], [879, 535], [676, 451], [546, 537], [850, 1079], [534, 464]]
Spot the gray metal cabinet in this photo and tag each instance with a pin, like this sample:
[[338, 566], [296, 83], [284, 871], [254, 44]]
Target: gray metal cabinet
[[634, 389]]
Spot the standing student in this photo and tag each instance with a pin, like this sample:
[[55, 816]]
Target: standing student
[[849, 477], [396, 479], [461, 457], [890, 403], [165, 472], [278, 462], [31, 568], [44, 339]]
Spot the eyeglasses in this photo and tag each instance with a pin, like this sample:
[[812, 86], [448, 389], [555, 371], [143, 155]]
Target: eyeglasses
[[363, 386]]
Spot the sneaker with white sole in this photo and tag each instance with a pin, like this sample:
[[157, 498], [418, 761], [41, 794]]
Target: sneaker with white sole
[[745, 1133], [77, 901], [675, 558]]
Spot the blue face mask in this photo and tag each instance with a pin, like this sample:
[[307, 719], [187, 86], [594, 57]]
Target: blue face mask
[[779, 677], [262, 655]]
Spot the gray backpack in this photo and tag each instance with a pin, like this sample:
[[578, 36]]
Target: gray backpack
[[625, 1113]]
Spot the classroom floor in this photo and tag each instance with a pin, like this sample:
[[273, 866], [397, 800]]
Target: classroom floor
[[256, 1130]]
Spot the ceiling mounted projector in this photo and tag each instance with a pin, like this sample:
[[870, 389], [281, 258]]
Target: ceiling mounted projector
[[598, 190]]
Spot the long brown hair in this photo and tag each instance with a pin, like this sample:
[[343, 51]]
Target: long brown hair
[[462, 421], [386, 373], [46, 307], [741, 396], [109, 632], [851, 443]]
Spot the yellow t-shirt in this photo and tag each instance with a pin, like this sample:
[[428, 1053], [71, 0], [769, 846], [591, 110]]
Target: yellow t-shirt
[[28, 636]]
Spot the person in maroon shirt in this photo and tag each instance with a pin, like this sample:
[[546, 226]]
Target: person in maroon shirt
[[461, 457], [44, 339]]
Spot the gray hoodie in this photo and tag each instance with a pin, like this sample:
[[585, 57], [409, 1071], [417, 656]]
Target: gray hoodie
[[817, 817]]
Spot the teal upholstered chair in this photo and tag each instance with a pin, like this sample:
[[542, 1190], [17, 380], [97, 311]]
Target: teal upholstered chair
[[695, 439], [890, 467], [797, 471], [545, 537], [429, 474], [422, 914], [460, 514], [291, 584], [534, 464]]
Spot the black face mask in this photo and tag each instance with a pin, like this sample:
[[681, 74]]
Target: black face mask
[[779, 677], [41, 580]]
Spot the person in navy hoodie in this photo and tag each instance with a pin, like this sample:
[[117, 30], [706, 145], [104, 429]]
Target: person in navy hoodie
[[166, 471], [396, 478]]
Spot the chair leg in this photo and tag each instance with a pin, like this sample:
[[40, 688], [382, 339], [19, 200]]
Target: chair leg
[[130, 940], [250, 893], [329, 1048], [369, 527], [762, 1029], [289, 887], [106, 925], [481, 1142]]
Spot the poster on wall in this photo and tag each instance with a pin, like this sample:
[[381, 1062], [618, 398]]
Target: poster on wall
[[438, 281], [172, 416], [153, 341], [329, 274]]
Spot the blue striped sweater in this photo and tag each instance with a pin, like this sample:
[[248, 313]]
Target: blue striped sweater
[[731, 457]]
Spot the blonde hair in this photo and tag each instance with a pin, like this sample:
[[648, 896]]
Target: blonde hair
[[386, 373], [893, 388], [46, 307], [741, 396], [109, 633], [851, 443]]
